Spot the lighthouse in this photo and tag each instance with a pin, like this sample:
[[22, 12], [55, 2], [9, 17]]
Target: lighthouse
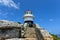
[[28, 17]]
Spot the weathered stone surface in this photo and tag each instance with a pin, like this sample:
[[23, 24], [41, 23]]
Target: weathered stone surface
[[22, 39], [45, 34], [4, 23], [10, 33], [30, 32]]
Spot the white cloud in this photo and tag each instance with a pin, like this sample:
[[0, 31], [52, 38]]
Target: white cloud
[[5, 14], [9, 3], [51, 20], [0, 13], [11, 13]]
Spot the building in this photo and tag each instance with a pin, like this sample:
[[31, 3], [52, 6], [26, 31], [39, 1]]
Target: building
[[27, 31]]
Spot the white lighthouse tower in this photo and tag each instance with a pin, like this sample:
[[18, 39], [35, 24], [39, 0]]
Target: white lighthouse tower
[[28, 17]]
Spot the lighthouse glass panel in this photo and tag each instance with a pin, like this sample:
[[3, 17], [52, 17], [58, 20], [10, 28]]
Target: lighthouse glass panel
[[28, 12], [28, 19]]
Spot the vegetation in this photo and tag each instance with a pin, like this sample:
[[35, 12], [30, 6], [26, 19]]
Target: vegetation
[[55, 37], [19, 22]]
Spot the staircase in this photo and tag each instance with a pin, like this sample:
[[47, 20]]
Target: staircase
[[32, 33]]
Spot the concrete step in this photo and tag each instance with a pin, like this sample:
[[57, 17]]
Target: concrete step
[[22, 39]]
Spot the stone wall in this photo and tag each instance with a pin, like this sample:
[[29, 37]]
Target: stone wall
[[10, 33], [29, 33], [22, 39]]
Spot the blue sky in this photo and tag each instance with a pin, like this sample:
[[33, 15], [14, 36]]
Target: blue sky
[[46, 12]]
